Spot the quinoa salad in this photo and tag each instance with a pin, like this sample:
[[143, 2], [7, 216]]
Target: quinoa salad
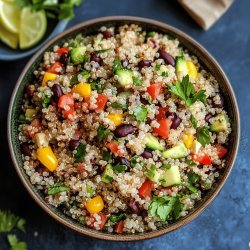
[[123, 130]]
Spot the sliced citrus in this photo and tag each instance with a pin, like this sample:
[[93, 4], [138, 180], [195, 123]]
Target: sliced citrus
[[10, 16], [9, 38], [33, 26]]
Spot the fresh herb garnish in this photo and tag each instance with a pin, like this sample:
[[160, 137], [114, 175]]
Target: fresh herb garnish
[[106, 156], [90, 190], [191, 163], [9, 221], [140, 113], [164, 73], [193, 178], [162, 206], [203, 136], [151, 34], [133, 161], [136, 81], [97, 86], [166, 166], [177, 208], [101, 51], [85, 75], [185, 91], [193, 121], [45, 101], [57, 188], [80, 153], [117, 105], [22, 119], [116, 65], [15, 244], [114, 218], [119, 168], [157, 67], [151, 172], [102, 132], [192, 188]]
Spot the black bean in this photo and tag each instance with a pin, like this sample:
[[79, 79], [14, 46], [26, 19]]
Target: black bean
[[96, 58], [73, 144], [168, 59], [144, 101], [107, 34], [144, 214], [124, 130], [133, 205], [25, 149], [208, 117], [57, 90], [176, 121], [144, 63], [170, 115], [30, 89], [147, 154], [64, 58], [123, 161]]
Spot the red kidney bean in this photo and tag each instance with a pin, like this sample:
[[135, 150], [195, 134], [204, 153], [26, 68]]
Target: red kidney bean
[[168, 59], [144, 101], [73, 144], [176, 121], [144, 63], [133, 205], [64, 58], [25, 149], [57, 90], [96, 58], [147, 154], [144, 214], [30, 89], [221, 105], [153, 42], [123, 161], [106, 34], [208, 117], [124, 130]]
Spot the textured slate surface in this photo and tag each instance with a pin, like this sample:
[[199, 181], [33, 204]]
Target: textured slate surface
[[226, 223]]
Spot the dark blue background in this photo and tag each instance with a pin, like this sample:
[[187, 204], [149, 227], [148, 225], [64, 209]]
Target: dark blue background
[[226, 223]]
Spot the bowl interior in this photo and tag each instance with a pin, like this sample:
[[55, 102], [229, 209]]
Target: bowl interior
[[90, 27], [53, 28]]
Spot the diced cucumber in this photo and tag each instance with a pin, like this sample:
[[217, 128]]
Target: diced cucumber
[[77, 55], [125, 76], [181, 66], [107, 175], [176, 152], [153, 143], [153, 174], [170, 177], [220, 123]]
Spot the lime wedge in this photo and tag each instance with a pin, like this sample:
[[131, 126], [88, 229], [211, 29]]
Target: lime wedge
[[9, 38], [10, 16], [33, 26]]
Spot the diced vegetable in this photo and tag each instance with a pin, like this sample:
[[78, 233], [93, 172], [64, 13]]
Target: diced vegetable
[[195, 147], [203, 136], [66, 100], [154, 90], [117, 119], [188, 139], [221, 151], [125, 77], [153, 143], [220, 123], [107, 175], [153, 174], [57, 188], [95, 205], [80, 153], [115, 218], [77, 55], [170, 177], [192, 71], [48, 77], [181, 67], [164, 128], [30, 113], [89, 190], [82, 75], [161, 113], [119, 227], [93, 223], [146, 188], [140, 113], [47, 158], [55, 68], [102, 132], [62, 50], [114, 148], [83, 89], [203, 159], [101, 101], [176, 152]]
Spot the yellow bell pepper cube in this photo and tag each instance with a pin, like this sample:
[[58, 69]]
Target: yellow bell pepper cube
[[192, 71], [47, 158], [48, 77], [188, 140], [30, 113], [117, 119], [83, 89], [95, 205]]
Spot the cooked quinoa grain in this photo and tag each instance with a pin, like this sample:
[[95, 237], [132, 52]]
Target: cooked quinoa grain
[[123, 130]]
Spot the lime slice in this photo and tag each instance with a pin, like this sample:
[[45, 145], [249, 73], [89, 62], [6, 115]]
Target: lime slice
[[33, 26], [10, 16], [9, 38]]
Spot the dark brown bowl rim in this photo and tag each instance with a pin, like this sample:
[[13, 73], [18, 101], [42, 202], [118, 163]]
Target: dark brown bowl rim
[[146, 235]]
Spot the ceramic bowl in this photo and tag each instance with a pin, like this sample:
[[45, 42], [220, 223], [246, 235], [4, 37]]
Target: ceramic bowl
[[8, 54], [206, 60]]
